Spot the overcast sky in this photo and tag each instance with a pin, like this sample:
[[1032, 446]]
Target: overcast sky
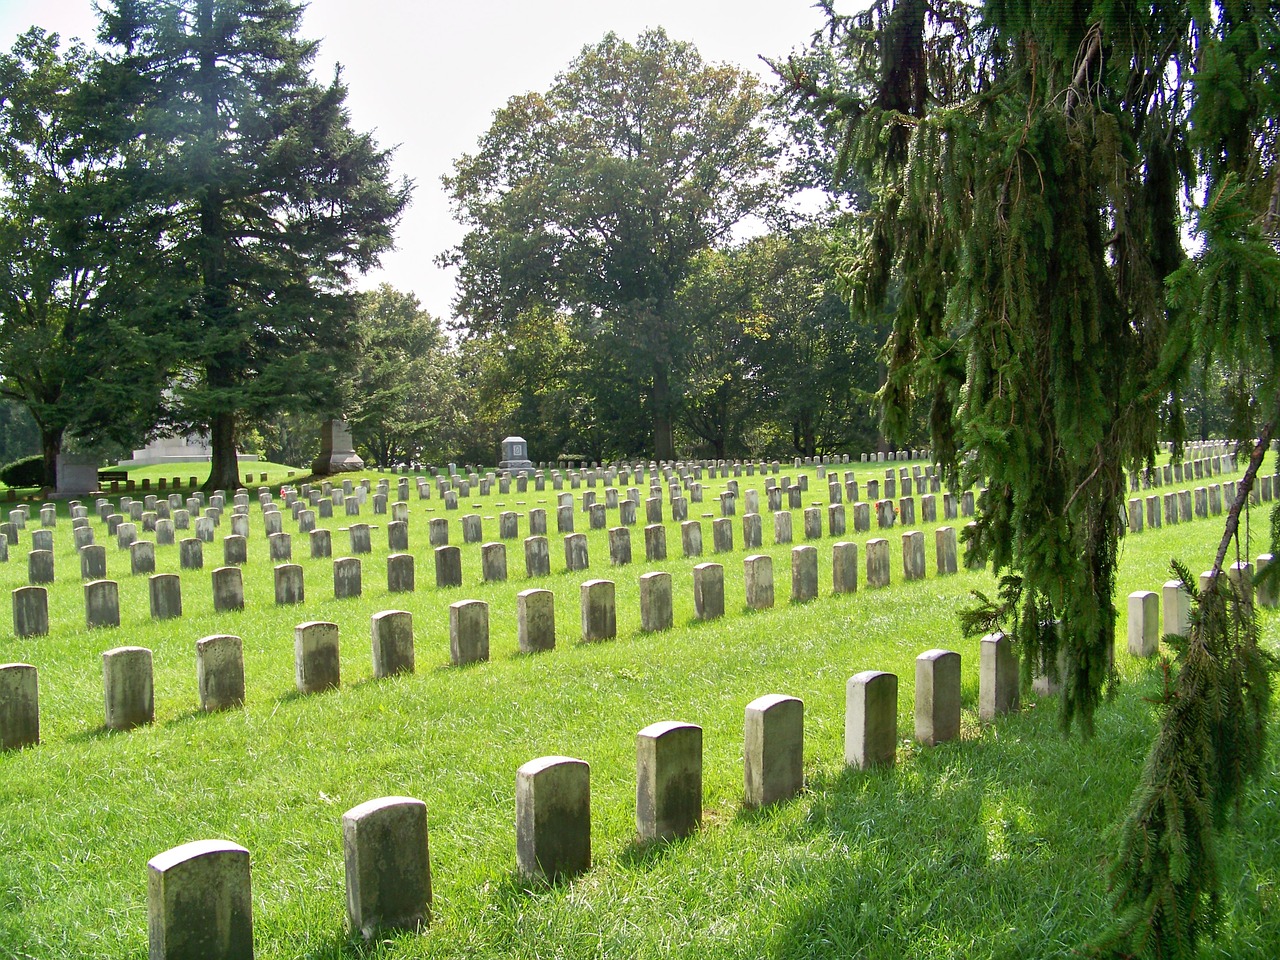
[[427, 76]]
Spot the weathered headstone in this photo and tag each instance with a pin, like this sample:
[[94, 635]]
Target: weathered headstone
[[535, 620], [655, 601], [758, 581], [1144, 623], [804, 574], [128, 688], [871, 719], [998, 691], [668, 780], [337, 452], [165, 592], [220, 671], [289, 584], [575, 551], [468, 632], [101, 604], [877, 563], [228, 589], [773, 749], [200, 903], [844, 567], [392, 635], [317, 666], [388, 866], [448, 566], [937, 696], [553, 818], [599, 612], [19, 706]]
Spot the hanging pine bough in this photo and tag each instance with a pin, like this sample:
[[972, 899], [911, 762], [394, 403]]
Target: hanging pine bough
[[1025, 164], [1024, 216], [1210, 744]]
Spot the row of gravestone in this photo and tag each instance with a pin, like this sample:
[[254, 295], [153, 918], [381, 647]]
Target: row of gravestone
[[200, 896], [30, 613], [102, 604], [1182, 506], [127, 672], [1146, 606]]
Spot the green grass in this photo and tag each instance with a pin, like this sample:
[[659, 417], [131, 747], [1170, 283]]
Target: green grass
[[988, 847], [251, 472]]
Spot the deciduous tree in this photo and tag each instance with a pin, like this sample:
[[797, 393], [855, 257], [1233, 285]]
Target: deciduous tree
[[594, 197]]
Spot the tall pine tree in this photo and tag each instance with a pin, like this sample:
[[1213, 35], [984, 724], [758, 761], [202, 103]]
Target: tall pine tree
[[263, 203]]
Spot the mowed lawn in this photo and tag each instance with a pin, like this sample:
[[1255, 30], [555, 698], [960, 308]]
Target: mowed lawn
[[992, 846]]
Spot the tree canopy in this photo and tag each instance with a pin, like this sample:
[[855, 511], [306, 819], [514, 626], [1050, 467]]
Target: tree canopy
[[69, 350], [595, 197], [1028, 166], [262, 203]]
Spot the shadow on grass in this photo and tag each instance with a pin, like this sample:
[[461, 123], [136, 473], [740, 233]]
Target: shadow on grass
[[344, 945], [645, 854], [985, 847]]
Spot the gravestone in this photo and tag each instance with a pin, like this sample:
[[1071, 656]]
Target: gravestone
[[200, 902], [128, 688], [388, 866], [871, 719], [346, 578], [30, 612], [220, 671], [998, 686], [448, 566], [758, 581], [19, 706], [142, 557], [804, 574], [599, 613], [228, 589], [1144, 623], [190, 555], [468, 632], [575, 552], [317, 666], [537, 557], [553, 818], [165, 591], [708, 591], [937, 696], [40, 566], [392, 635], [535, 620], [877, 563], [289, 584], [655, 601], [773, 749], [844, 567], [668, 780], [400, 573]]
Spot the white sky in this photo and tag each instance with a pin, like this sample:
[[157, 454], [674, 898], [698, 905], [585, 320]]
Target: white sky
[[427, 76]]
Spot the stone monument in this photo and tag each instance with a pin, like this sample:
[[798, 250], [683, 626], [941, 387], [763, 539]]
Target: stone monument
[[77, 474], [515, 454], [337, 454]]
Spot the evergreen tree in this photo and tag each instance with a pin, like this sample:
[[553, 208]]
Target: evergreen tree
[[263, 202], [1026, 162]]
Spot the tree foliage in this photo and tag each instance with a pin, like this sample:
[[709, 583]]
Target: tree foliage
[[593, 199], [261, 202], [402, 387], [1027, 163], [69, 351]]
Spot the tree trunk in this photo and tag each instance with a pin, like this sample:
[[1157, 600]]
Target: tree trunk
[[50, 447], [664, 447], [224, 468]]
